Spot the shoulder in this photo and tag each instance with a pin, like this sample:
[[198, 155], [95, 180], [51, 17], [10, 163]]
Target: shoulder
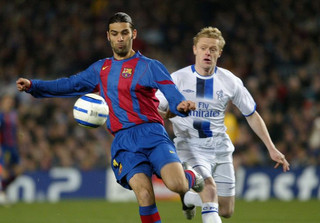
[[99, 63], [146, 59], [149, 61], [227, 75]]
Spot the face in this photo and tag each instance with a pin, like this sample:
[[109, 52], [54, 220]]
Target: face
[[207, 52], [121, 37]]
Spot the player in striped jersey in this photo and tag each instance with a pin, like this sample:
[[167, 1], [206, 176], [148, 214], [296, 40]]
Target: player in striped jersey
[[201, 138], [128, 82], [9, 153]]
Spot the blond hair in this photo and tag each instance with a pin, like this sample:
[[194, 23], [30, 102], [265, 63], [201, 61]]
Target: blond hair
[[210, 32]]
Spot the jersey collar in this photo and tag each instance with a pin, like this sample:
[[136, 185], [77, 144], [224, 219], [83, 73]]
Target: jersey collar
[[193, 68]]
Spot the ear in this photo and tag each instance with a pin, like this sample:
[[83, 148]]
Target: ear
[[194, 50], [134, 34], [108, 36], [220, 53]]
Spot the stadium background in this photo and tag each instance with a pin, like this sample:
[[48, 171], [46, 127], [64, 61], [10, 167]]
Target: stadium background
[[274, 46]]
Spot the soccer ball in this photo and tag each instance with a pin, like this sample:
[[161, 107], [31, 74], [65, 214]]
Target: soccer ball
[[90, 111]]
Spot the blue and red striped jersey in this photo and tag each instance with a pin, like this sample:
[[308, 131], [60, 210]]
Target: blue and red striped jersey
[[128, 87], [9, 129]]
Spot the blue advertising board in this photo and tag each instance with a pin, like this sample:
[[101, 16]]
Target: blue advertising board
[[70, 183]]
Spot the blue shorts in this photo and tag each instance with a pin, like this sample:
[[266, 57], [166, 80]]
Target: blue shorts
[[9, 156], [144, 148]]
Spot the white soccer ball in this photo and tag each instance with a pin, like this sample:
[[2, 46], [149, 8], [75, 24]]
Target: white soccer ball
[[90, 111]]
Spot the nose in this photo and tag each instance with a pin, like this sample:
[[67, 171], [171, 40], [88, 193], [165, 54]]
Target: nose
[[208, 52], [120, 38]]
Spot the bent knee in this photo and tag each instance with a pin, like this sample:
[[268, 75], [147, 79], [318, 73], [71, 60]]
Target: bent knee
[[226, 213], [178, 187]]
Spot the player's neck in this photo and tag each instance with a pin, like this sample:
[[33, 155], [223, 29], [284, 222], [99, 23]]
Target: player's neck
[[204, 71], [129, 54]]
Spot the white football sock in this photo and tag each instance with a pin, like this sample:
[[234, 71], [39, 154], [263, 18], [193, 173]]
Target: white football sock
[[210, 213], [192, 198]]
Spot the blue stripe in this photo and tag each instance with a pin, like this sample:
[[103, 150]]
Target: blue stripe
[[193, 68], [148, 210], [86, 111], [208, 88], [135, 82], [92, 100], [255, 107], [206, 212], [87, 124], [80, 109], [224, 182], [204, 88], [200, 88], [203, 128]]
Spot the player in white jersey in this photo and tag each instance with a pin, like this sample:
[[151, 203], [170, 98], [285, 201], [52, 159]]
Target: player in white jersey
[[201, 139]]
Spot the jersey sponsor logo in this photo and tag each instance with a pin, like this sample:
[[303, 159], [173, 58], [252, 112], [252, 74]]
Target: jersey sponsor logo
[[126, 73], [188, 90], [205, 113]]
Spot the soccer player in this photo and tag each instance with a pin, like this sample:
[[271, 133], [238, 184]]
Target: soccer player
[[9, 154], [201, 138], [128, 82]]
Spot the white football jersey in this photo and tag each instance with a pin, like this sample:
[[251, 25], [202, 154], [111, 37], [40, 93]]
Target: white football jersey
[[211, 95]]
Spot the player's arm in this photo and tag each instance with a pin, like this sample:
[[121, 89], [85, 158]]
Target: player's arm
[[176, 101], [258, 126], [163, 107], [78, 84]]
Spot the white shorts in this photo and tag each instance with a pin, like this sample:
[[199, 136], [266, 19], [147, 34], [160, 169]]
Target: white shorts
[[208, 163]]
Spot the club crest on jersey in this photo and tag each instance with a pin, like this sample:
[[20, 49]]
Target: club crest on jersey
[[220, 95], [126, 73]]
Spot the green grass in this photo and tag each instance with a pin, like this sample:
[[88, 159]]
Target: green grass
[[99, 211]]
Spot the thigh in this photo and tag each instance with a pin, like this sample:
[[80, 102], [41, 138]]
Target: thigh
[[225, 179], [126, 164], [161, 155], [201, 162]]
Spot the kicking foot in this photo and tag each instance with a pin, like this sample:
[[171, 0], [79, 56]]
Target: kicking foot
[[188, 212], [199, 182]]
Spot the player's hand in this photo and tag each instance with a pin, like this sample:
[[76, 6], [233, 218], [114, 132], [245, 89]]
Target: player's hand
[[186, 106], [23, 84], [278, 157]]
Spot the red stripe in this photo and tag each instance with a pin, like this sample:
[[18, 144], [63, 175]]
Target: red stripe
[[148, 103], [150, 218], [124, 86], [165, 82], [192, 176], [104, 73]]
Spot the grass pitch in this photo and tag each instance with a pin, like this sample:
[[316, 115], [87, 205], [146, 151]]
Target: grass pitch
[[100, 211]]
